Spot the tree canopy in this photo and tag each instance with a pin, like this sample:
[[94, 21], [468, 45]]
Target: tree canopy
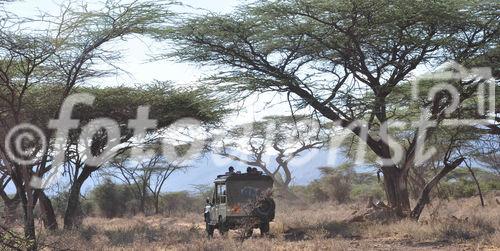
[[348, 60]]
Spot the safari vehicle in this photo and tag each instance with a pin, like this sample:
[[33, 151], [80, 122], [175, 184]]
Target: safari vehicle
[[240, 201]]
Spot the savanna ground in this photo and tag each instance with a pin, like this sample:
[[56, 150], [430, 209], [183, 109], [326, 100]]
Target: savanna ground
[[458, 224]]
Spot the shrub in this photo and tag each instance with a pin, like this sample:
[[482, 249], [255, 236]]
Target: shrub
[[366, 190], [337, 182], [87, 232], [459, 183], [342, 184], [338, 187], [180, 203], [121, 237], [465, 229], [111, 199], [316, 193], [60, 202]]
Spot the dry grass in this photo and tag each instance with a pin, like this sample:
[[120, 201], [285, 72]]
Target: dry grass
[[446, 225]]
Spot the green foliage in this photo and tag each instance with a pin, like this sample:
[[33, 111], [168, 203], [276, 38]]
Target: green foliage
[[460, 184], [270, 42], [337, 182], [111, 199], [60, 201], [308, 49], [316, 191], [117, 200], [367, 190], [167, 103], [341, 184]]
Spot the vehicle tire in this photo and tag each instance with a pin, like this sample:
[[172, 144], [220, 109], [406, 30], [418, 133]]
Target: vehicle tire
[[248, 233], [265, 210], [223, 229], [264, 228], [210, 230]]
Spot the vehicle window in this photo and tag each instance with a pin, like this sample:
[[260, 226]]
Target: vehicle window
[[221, 193], [244, 191]]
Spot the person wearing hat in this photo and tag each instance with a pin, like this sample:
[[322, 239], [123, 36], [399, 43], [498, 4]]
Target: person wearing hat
[[231, 170]]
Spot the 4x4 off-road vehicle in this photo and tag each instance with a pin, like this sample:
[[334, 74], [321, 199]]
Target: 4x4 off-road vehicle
[[240, 201]]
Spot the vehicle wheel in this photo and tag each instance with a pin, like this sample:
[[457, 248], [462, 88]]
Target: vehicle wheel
[[264, 228], [210, 230], [248, 233], [223, 229], [265, 210]]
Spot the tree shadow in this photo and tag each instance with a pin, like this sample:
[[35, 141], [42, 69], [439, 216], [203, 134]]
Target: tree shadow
[[331, 229]]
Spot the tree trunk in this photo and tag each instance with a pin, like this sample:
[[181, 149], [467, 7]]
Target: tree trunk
[[157, 203], [49, 216], [425, 196], [29, 222], [10, 210], [142, 206], [73, 210], [396, 189], [21, 180]]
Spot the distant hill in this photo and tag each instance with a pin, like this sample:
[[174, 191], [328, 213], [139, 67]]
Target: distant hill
[[304, 169]]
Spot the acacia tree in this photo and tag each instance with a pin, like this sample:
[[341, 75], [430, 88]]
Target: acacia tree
[[285, 138], [344, 60], [167, 105], [62, 52], [145, 175], [21, 57]]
